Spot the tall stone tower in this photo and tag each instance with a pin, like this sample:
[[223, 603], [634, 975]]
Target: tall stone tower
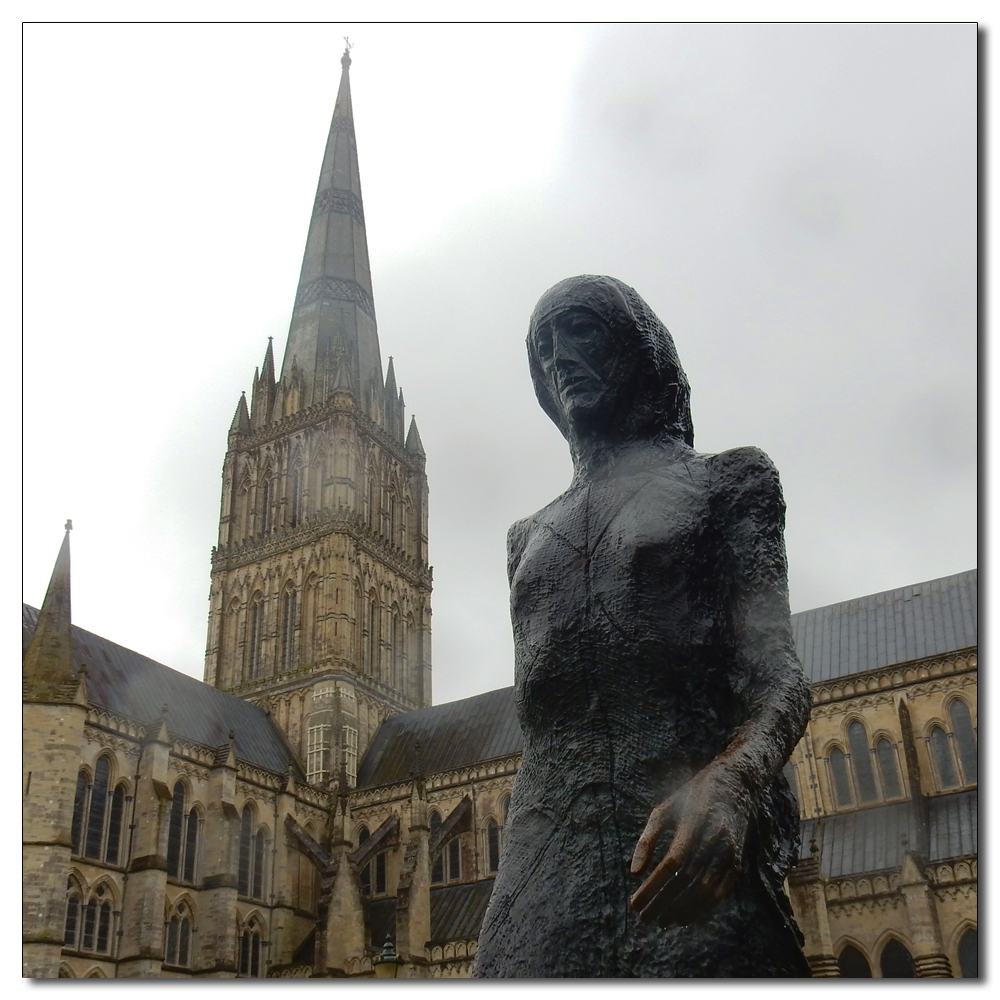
[[320, 601]]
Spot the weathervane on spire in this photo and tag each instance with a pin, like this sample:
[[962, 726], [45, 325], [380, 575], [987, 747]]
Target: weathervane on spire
[[345, 59]]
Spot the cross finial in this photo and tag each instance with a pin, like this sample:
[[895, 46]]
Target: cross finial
[[345, 59], [69, 525]]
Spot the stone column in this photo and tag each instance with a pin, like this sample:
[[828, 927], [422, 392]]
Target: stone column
[[807, 893], [215, 943], [925, 932], [286, 870], [144, 898]]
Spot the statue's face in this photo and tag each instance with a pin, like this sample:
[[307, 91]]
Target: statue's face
[[576, 351]]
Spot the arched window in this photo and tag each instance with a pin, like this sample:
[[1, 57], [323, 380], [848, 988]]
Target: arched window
[[88, 925], [888, 769], [965, 741], [296, 490], [97, 829], [72, 916], [842, 793], [98, 807], [396, 653], [253, 856], [243, 510], [255, 638], [316, 489], [178, 950], [968, 954], [861, 758], [896, 962], [250, 950], [373, 637], [853, 965], [944, 763], [182, 840], [266, 504], [289, 602], [492, 845]]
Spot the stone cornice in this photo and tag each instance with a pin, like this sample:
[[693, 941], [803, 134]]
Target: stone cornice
[[894, 677], [384, 794]]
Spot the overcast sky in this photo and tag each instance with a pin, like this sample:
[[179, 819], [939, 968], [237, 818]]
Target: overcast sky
[[796, 202]]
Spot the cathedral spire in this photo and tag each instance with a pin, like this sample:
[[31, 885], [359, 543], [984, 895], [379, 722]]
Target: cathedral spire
[[48, 673], [334, 311]]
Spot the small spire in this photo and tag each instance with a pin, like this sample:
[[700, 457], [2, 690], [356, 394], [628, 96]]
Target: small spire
[[48, 671], [390, 381], [413, 442], [241, 419]]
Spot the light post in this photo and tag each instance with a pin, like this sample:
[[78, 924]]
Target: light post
[[387, 962]]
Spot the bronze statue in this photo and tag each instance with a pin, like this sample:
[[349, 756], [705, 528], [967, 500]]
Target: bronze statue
[[656, 682]]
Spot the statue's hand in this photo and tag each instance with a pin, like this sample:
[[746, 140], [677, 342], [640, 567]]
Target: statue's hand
[[708, 818]]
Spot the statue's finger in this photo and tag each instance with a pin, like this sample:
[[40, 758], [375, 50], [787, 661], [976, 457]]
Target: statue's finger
[[647, 840], [687, 903], [677, 857]]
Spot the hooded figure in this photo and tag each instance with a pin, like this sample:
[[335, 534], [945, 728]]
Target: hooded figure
[[656, 681]]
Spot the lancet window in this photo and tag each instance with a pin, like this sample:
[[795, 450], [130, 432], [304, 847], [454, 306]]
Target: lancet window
[[266, 504], [349, 743], [98, 815], [896, 962], [182, 837], [296, 495], [864, 775], [289, 608], [253, 855], [255, 636], [853, 964]]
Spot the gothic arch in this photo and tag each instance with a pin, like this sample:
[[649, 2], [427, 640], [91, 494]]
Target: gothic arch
[[66, 971], [95, 973]]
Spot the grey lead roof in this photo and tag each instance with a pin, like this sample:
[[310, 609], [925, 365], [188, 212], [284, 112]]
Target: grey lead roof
[[871, 840], [911, 623], [456, 913], [127, 683], [442, 738]]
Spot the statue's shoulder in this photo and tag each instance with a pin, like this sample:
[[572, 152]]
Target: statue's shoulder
[[745, 472], [517, 536]]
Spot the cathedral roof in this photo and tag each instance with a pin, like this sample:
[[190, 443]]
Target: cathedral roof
[[456, 913], [868, 633], [129, 684], [442, 738], [871, 840]]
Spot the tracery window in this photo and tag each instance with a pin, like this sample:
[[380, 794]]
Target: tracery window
[[182, 838], [88, 925], [289, 602], [251, 948], [253, 855], [178, 935], [97, 816], [866, 774], [255, 637]]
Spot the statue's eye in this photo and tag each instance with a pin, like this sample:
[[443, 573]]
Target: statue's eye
[[543, 342]]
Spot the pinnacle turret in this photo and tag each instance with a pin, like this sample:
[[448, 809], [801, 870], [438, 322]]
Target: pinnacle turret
[[413, 442], [48, 671]]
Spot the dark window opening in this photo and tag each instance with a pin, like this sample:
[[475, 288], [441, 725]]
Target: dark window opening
[[853, 965]]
